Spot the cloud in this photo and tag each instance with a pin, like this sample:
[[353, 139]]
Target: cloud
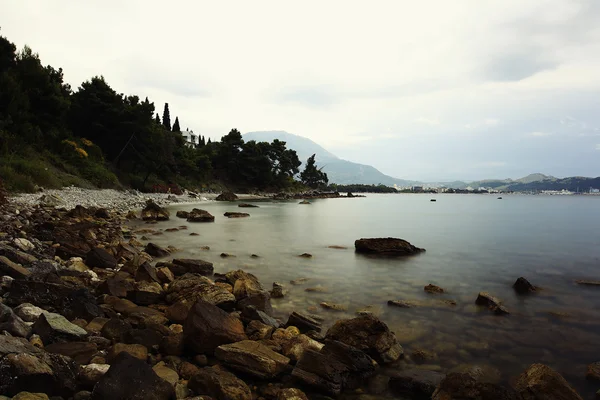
[[491, 121], [598, 146], [428, 121], [539, 134]]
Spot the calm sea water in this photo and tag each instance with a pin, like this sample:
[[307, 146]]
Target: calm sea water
[[474, 243]]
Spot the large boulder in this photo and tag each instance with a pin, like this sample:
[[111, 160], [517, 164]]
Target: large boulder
[[542, 382], [154, 212], [190, 287], [100, 258], [131, 379], [156, 251], [415, 383], [208, 327], [252, 358], [197, 215], [183, 266], [54, 328], [227, 196], [457, 386], [386, 246], [369, 334], [219, 384]]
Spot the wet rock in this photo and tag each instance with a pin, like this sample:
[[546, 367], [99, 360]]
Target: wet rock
[[220, 385], [422, 356], [433, 289], [260, 301], [291, 394], [277, 291], [252, 358], [494, 304], [190, 288], [386, 246], [369, 334], [295, 347], [197, 215], [587, 282], [53, 328], [95, 326], [183, 266], [154, 212], [299, 281], [247, 205], [438, 303], [593, 372], [208, 327], [304, 202], [80, 352], [336, 367], [479, 372], [236, 215], [182, 214], [415, 383], [14, 270], [178, 312], [132, 379], [316, 289], [100, 258], [165, 275], [303, 322], [305, 255], [134, 350], [227, 196], [90, 374], [166, 373], [256, 330], [156, 251], [226, 255], [523, 286], [337, 247], [456, 386], [333, 306], [542, 382], [146, 293]]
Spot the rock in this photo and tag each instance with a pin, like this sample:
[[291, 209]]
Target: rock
[[333, 306], [220, 385], [95, 326], [12, 323], [77, 264], [491, 302], [182, 214], [183, 266], [415, 383], [146, 293], [100, 258], [303, 322], [90, 374], [147, 337], [80, 352], [542, 382], [252, 358], [165, 275], [115, 329], [156, 251], [131, 379], [295, 347], [30, 396], [131, 215], [456, 386], [304, 202], [50, 200], [14, 270], [260, 301], [208, 327], [227, 196], [251, 313], [369, 334], [587, 282], [593, 372], [197, 215], [190, 288], [438, 303], [53, 328], [305, 255], [256, 330], [154, 212], [433, 289], [277, 291], [236, 215], [247, 205], [291, 394], [336, 367], [166, 373], [386, 246], [522, 286], [135, 350]]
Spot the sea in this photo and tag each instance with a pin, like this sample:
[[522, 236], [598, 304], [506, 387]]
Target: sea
[[473, 243]]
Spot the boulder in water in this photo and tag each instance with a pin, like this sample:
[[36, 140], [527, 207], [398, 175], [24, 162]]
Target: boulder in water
[[523, 286], [197, 215], [236, 215], [542, 382], [227, 196], [386, 247], [154, 212], [491, 302]]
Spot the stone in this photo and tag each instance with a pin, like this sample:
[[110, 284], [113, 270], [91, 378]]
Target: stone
[[154, 212], [303, 322], [76, 264], [457, 386], [219, 384], [433, 289], [190, 288], [182, 266], [28, 312], [256, 330], [53, 328], [165, 275], [260, 301], [593, 372], [197, 215], [291, 394], [415, 383], [14, 270], [182, 214], [236, 215], [100, 258], [277, 291], [523, 286], [252, 358], [386, 247], [146, 293], [247, 205], [147, 337], [90, 374], [30, 396], [15, 326], [166, 373], [479, 372], [178, 312], [129, 378], [542, 382], [115, 329], [135, 350], [208, 327], [80, 352], [587, 282], [156, 251], [227, 196], [369, 334], [305, 255], [295, 347], [494, 304], [333, 306], [188, 370]]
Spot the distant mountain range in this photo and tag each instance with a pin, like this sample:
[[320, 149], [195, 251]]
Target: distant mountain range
[[345, 172]]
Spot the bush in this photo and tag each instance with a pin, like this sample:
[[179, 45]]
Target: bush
[[3, 194], [15, 181], [98, 174]]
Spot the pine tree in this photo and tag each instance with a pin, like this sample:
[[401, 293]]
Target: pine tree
[[208, 141], [167, 117], [176, 127], [157, 119], [202, 141], [312, 176]]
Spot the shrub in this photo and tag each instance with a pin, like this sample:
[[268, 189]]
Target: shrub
[[3, 195]]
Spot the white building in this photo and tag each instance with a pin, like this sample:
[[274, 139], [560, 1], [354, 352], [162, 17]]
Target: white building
[[191, 139]]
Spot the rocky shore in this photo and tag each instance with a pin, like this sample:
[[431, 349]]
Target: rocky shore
[[88, 313]]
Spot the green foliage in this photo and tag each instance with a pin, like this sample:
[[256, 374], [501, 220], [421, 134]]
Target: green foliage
[[176, 127], [166, 117], [359, 188], [312, 176]]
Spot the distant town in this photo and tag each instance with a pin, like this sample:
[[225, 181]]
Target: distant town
[[483, 190]]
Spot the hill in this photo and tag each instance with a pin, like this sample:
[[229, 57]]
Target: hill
[[339, 171]]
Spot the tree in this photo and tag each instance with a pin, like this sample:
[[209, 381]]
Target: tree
[[166, 117], [176, 127], [312, 176], [157, 119]]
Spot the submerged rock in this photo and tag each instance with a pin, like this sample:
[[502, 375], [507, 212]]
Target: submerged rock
[[523, 286], [587, 282], [542, 382], [433, 289], [247, 205], [236, 215], [457, 386], [277, 291], [491, 302], [415, 383], [386, 246]]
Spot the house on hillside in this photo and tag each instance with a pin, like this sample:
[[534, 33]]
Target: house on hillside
[[191, 139]]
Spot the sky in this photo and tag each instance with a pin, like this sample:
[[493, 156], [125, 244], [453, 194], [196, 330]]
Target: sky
[[427, 90]]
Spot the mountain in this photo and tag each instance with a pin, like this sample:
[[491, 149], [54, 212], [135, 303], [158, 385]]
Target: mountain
[[339, 171]]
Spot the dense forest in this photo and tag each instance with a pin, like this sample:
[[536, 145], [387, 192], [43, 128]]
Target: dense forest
[[52, 136], [360, 188]]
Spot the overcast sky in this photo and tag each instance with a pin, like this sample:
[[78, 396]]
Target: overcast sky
[[426, 90]]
